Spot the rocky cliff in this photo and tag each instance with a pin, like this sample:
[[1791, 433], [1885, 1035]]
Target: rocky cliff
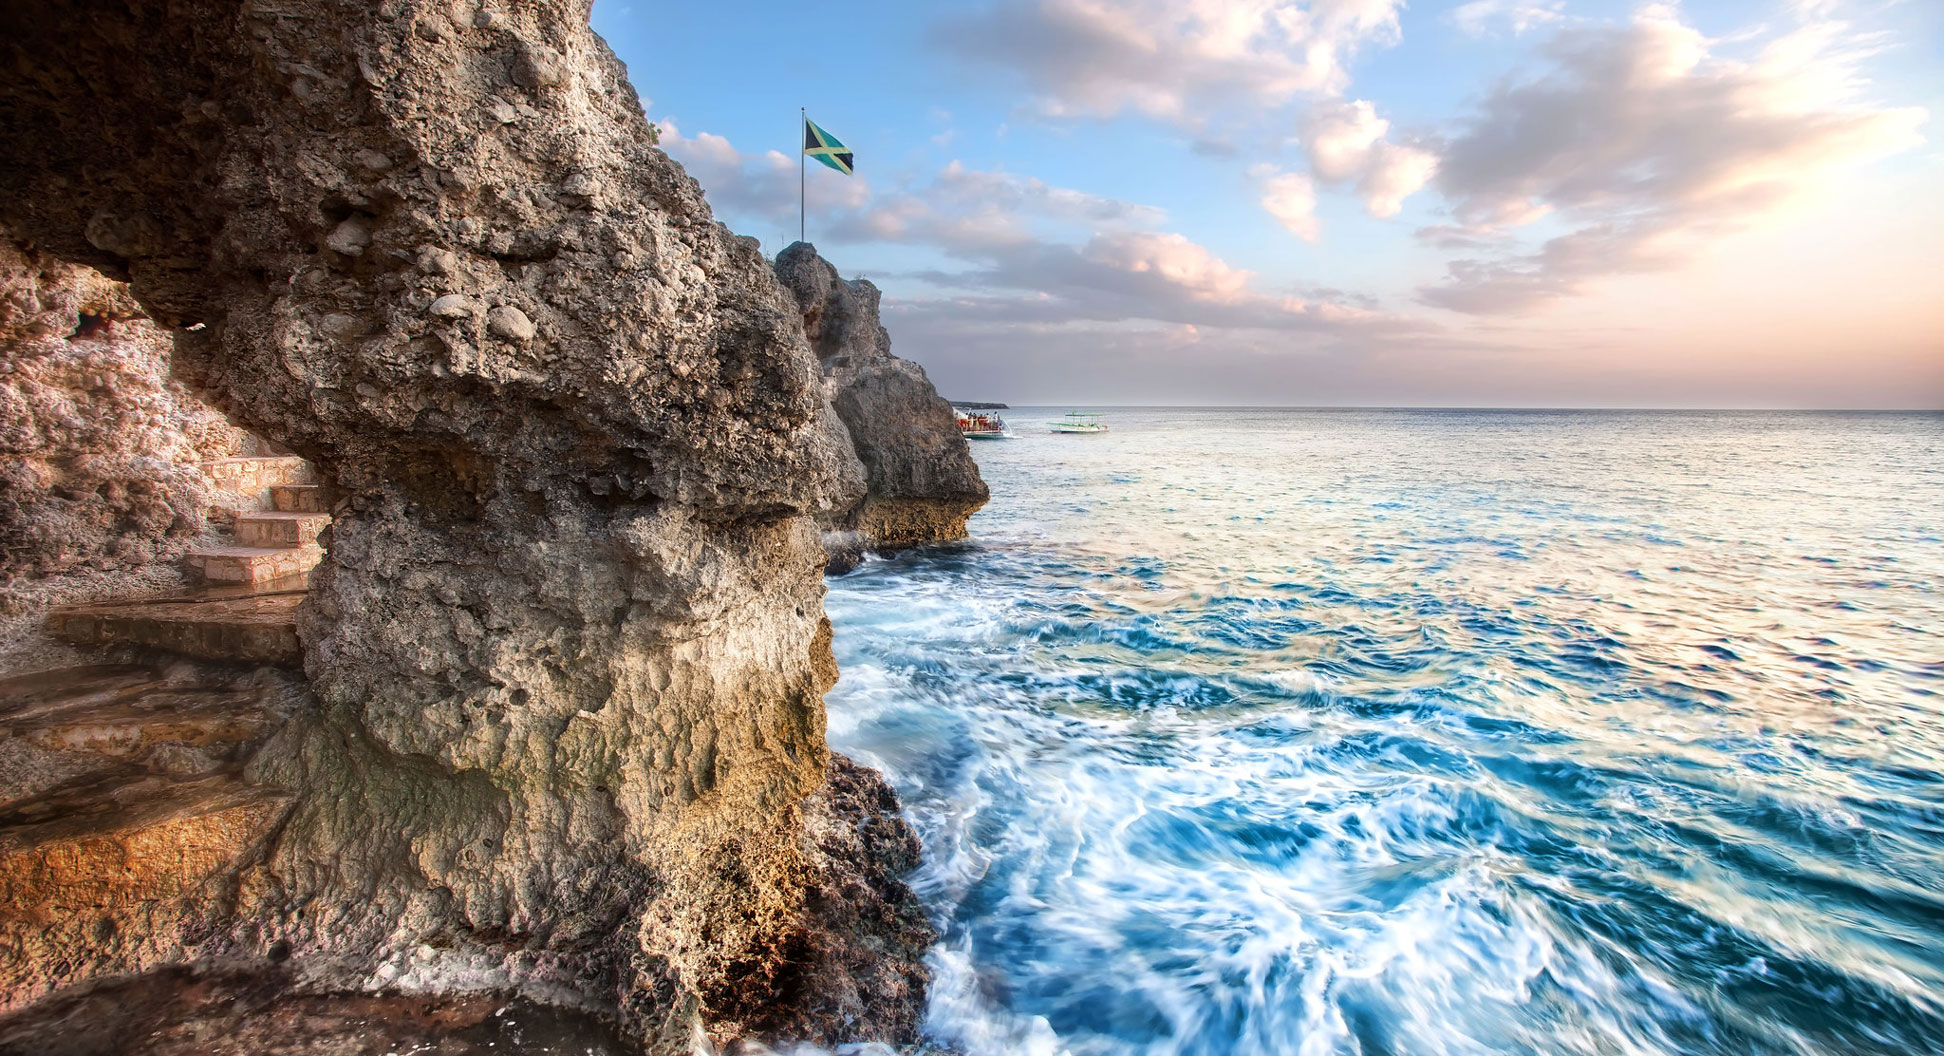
[[564, 658], [920, 483]]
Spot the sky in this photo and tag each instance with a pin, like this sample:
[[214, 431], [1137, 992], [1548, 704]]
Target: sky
[[1494, 203]]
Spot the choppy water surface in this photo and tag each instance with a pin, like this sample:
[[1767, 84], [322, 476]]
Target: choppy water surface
[[1416, 732]]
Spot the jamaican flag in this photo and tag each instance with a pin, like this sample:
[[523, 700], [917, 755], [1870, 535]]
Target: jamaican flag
[[824, 147]]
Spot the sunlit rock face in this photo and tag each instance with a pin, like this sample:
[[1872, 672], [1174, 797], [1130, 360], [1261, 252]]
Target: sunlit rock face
[[920, 481], [566, 650], [97, 445]]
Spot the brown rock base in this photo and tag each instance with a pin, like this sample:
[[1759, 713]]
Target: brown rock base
[[853, 969], [866, 954], [909, 522], [179, 1012]]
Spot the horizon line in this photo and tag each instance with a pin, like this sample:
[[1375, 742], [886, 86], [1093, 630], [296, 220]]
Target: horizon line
[[1465, 407]]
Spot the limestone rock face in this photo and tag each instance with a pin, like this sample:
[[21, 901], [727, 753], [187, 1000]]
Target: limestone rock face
[[97, 446], [566, 647], [920, 481]]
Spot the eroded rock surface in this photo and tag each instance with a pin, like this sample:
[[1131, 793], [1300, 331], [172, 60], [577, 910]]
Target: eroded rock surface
[[566, 649], [920, 481], [865, 917], [97, 445]]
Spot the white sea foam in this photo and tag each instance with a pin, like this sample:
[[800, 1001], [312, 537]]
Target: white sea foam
[[1410, 764]]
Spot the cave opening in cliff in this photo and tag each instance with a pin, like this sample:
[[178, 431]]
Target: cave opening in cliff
[[88, 325], [152, 492]]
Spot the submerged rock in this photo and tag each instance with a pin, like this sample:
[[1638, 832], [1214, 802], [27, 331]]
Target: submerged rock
[[566, 650], [920, 483]]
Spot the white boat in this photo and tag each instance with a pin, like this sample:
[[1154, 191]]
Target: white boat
[[982, 425], [1079, 422]]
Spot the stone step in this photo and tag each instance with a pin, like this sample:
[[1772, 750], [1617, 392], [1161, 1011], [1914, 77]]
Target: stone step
[[256, 629], [75, 687], [127, 804], [253, 564], [124, 793], [253, 475], [64, 743], [280, 529], [298, 498]]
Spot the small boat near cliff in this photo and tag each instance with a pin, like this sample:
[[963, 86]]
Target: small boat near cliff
[[1079, 422], [982, 425]]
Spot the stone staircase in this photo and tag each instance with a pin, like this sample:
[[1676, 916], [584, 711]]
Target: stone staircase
[[276, 531], [246, 609]]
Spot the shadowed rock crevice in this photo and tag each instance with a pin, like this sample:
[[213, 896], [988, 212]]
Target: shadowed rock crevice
[[566, 650]]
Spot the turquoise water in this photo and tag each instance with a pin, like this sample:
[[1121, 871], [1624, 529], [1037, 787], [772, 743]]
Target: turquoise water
[[1425, 732]]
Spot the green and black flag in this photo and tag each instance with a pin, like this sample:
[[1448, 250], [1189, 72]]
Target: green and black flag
[[824, 147]]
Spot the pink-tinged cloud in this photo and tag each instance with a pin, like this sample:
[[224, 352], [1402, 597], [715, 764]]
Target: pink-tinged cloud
[[1483, 17], [1020, 262], [1172, 59], [1346, 144], [1648, 145], [1290, 197]]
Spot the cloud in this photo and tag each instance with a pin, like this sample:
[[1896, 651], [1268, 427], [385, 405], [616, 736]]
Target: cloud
[[1476, 18], [1141, 277], [1001, 190], [959, 209], [1646, 146], [1346, 143], [757, 186], [1290, 197], [972, 354], [1339, 138], [1122, 270], [1171, 59], [1187, 61], [1459, 236], [1028, 253], [941, 116], [966, 212], [1393, 174]]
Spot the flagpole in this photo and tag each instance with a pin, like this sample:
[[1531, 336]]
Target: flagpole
[[803, 117]]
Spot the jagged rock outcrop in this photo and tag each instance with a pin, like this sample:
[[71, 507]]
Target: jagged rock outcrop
[[868, 917], [566, 650], [920, 481], [97, 446]]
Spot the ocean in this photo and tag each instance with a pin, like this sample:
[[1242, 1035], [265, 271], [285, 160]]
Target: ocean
[[1399, 732]]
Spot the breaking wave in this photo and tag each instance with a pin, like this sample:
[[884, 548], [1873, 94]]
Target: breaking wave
[[1330, 732]]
